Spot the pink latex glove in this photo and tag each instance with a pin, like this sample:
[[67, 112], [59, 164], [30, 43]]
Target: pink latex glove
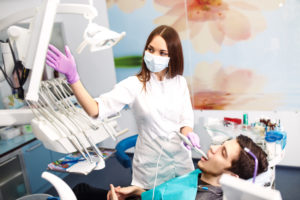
[[195, 140], [64, 64]]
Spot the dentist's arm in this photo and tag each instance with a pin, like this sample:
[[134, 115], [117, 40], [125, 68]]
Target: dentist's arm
[[66, 65], [85, 100]]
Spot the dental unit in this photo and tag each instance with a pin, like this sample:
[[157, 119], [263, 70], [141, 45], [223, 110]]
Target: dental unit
[[57, 122]]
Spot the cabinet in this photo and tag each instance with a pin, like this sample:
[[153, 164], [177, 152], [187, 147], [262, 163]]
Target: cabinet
[[13, 180], [21, 167], [37, 158]]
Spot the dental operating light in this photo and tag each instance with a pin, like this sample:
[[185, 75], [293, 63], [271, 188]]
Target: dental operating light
[[99, 38]]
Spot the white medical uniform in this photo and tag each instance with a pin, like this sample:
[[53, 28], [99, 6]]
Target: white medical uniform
[[160, 112]]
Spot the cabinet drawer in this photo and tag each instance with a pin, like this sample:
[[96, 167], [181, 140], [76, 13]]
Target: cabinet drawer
[[36, 158], [13, 188], [9, 168]]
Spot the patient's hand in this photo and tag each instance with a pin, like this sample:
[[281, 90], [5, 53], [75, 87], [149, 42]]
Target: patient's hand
[[118, 193], [112, 195]]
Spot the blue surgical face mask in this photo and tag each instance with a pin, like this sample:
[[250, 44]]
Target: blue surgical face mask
[[156, 63]]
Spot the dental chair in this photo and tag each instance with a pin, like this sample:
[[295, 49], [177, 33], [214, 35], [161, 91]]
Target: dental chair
[[236, 189], [121, 147], [63, 190]]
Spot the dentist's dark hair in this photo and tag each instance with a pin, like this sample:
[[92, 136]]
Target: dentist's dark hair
[[173, 42]]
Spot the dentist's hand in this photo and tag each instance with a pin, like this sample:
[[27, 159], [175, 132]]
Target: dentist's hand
[[194, 139], [64, 64]]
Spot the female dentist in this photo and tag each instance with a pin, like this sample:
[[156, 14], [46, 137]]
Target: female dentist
[[159, 98]]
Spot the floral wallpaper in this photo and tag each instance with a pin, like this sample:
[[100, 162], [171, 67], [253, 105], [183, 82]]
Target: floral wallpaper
[[239, 54], [126, 6], [210, 24]]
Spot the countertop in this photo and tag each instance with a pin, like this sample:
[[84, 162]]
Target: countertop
[[7, 146]]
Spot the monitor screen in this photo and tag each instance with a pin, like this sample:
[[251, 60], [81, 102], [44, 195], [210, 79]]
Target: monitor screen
[[41, 29]]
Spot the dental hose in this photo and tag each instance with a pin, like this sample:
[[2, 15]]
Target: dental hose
[[156, 171], [256, 162]]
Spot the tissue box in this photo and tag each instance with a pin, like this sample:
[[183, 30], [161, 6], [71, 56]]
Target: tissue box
[[9, 132]]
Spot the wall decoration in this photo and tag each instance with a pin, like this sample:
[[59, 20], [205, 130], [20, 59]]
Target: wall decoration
[[239, 54]]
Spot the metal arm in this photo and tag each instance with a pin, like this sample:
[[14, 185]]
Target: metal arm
[[88, 11]]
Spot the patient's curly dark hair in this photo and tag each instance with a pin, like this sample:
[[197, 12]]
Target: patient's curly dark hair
[[244, 165]]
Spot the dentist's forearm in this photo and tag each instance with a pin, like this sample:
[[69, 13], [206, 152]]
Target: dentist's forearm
[[84, 99]]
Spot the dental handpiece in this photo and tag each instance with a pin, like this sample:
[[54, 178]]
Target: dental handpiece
[[188, 142]]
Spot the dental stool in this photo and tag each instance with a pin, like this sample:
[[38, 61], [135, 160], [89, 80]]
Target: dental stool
[[121, 147]]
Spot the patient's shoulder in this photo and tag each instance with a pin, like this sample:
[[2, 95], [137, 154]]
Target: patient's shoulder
[[209, 193]]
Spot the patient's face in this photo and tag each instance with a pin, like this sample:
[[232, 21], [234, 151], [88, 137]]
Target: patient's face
[[220, 157]]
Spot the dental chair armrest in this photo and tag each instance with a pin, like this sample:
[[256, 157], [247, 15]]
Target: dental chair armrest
[[121, 147]]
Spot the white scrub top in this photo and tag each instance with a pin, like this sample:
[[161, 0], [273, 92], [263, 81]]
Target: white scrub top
[[160, 112]]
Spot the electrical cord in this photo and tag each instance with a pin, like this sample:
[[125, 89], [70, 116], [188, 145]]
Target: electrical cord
[[25, 72], [9, 81], [17, 67], [2, 68], [156, 171]]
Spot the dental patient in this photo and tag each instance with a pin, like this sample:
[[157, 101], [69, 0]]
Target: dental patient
[[203, 183]]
